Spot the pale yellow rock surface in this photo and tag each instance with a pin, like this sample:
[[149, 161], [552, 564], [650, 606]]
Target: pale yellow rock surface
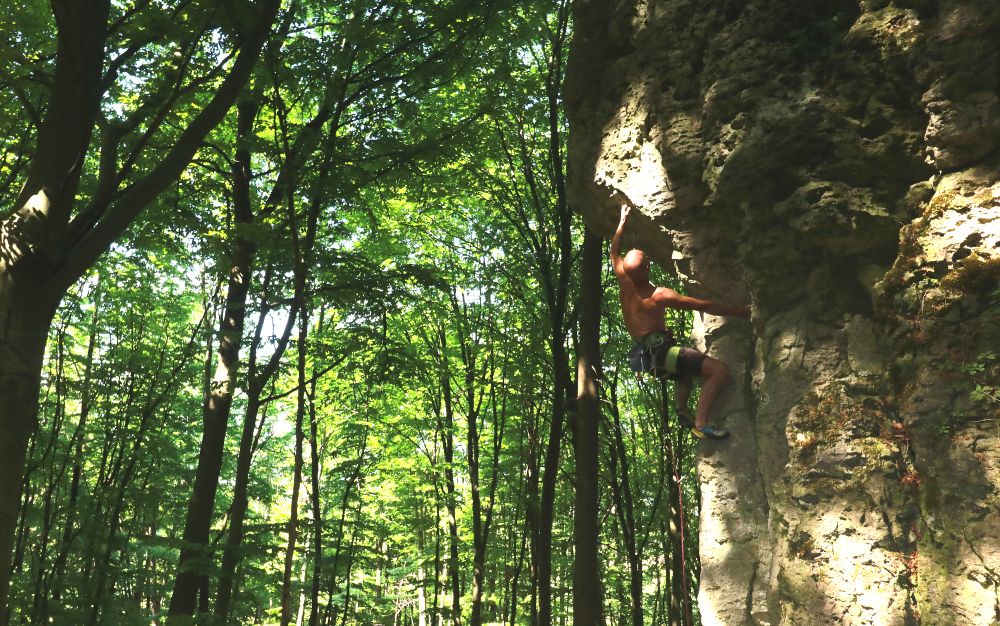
[[837, 164]]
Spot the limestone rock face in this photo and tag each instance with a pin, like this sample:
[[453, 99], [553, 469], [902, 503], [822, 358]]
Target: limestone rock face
[[837, 164]]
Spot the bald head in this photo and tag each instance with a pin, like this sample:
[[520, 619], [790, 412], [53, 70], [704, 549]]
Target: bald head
[[637, 266]]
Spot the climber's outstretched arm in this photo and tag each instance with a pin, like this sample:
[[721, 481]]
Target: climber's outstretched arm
[[672, 299], [617, 262]]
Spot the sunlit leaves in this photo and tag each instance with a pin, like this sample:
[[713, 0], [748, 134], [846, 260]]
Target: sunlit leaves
[[420, 133]]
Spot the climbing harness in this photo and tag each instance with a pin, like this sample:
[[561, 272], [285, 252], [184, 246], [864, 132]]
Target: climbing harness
[[648, 353]]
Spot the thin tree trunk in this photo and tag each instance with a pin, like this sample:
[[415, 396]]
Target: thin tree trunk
[[531, 513], [192, 576], [350, 568], [352, 481], [675, 607], [446, 428], [621, 491], [292, 526], [518, 568], [257, 381], [69, 528], [293, 520], [301, 248], [435, 612], [302, 258], [456, 590], [557, 305], [678, 606], [549, 474], [587, 598], [482, 514], [39, 611], [238, 510], [421, 569], [295, 155], [300, 614], [479, 534], [317, 510]]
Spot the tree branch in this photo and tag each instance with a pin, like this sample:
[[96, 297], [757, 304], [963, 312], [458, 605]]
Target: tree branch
[[123, 212]]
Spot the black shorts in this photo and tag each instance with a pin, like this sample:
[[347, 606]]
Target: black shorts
[[660, 355]]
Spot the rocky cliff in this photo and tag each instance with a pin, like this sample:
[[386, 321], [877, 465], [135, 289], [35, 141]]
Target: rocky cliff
[[835, 163]]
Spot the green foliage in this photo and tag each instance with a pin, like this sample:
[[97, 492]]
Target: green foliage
[[985, 372], [439, 282]]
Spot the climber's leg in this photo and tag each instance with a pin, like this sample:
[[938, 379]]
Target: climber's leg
[[715, 374]]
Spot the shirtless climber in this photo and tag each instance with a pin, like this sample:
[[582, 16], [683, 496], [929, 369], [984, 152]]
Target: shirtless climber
[[654, 349]]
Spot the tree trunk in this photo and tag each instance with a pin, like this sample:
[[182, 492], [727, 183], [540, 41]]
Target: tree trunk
[[252, 419], [256, 382], [470, 332], [531, 509], [39, 261], [69, 527], [350, 569], [302, 249], [561, 384], [421, 566], [293, 520], [621, 492], [23, 331], [678, 591], [515, 579], [479, 533], [194, 560], [27, 299], [684, 546], [435, 611], [238, 510], [558, 277], [352, 484], [587, 596], [446, 429], [316, 503]]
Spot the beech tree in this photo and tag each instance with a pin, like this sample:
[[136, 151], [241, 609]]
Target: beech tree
[[57, 227], [306, 298]]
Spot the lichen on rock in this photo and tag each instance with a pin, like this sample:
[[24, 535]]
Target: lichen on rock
[[837, 163]]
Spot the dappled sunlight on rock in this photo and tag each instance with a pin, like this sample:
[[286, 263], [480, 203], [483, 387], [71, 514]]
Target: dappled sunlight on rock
[[836, 161]]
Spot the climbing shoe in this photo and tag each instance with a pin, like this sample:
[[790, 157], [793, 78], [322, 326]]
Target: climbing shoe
[[708, 432], [684, 417]]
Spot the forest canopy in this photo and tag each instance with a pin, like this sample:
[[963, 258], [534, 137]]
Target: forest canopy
[[292, 313]]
